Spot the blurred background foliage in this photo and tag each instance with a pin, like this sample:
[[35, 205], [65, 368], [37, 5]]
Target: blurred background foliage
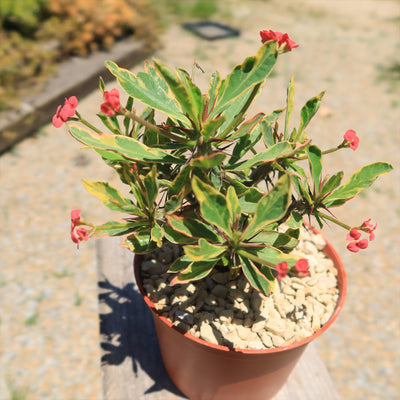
[[36, 35]]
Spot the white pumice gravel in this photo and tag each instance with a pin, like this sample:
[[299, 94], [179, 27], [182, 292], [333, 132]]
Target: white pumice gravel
[[233, 314]]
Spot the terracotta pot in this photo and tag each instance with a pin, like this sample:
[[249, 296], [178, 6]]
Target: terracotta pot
[[205, 371]]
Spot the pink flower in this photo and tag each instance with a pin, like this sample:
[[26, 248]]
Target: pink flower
[[111, 103], [282, 39], [301, 267], [352, 139], [282, 269], [64, 112]]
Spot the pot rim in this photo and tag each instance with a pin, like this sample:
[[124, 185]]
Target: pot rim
[[329, 251]]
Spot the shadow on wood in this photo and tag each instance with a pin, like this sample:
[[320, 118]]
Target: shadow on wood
[[130, 357]]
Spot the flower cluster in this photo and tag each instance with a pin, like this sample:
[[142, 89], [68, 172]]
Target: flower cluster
[[351, 139], [300, 269], [283, 39], [65, 112], [111, 104], [78, 233], [354, 236]]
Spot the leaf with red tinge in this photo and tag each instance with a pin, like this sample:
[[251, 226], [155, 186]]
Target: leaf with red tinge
[[197, 270]]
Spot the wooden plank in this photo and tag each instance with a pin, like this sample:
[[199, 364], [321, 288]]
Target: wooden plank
[[131, 363]]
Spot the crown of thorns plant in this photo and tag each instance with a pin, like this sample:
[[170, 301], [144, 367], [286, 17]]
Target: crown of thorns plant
[[195, 179]]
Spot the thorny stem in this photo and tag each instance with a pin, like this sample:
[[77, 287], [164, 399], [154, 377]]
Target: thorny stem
[[332, 219]]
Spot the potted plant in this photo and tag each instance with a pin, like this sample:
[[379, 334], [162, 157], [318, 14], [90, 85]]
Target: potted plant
[[236, 216]]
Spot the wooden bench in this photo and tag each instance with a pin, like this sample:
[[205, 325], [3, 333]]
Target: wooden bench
[[131, 364]]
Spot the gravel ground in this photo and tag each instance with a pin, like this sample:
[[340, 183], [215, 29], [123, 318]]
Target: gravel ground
[[49, 322]]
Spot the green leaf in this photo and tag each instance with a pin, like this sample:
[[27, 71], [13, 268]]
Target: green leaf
[[359, 181], [174, 203], [111, 197], [295, 220], [126, 146], [186, 93], [267, 133], [150, 184], [203, 251], [252, 71], [149, 88], [140, 242], [314, 157], [269, 255], [308, 111], [331, 184], [270, 208], [118, 228], [246, 127], [195, 271], [243, 145], [210, 161], [180, 264], [233, 205], [212, 92], [275, 239], [289, 107], [249, 199], [212, 205], [157, 234], [278, 150], [209, 128], [180, 181], [270, 118], [192, 228], [174, 236], [259, 281]]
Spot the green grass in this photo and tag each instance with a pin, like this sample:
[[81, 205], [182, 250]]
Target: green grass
[[15, 391]]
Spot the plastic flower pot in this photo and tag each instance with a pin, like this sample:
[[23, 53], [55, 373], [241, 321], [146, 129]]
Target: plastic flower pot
[[205, 371]]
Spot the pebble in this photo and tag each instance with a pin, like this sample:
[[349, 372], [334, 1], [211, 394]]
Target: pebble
[[234, 314]]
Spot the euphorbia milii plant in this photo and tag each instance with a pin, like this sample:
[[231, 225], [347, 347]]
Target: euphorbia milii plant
[[195, 178]]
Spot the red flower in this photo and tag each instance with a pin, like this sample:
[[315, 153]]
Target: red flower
[[301, 267], [282, 39], [369, 228], [111, 103], [352, 139], [356, 246], [75, 217], [282, 269], [79, 234], [352, 246], [354, 235], [66, 111]]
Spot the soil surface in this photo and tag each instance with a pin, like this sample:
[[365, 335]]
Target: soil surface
[[49, 321]]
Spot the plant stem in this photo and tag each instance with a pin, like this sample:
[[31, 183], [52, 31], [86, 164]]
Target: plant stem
[[332, 219], [87, 123], [256, 259], [149, 125]]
